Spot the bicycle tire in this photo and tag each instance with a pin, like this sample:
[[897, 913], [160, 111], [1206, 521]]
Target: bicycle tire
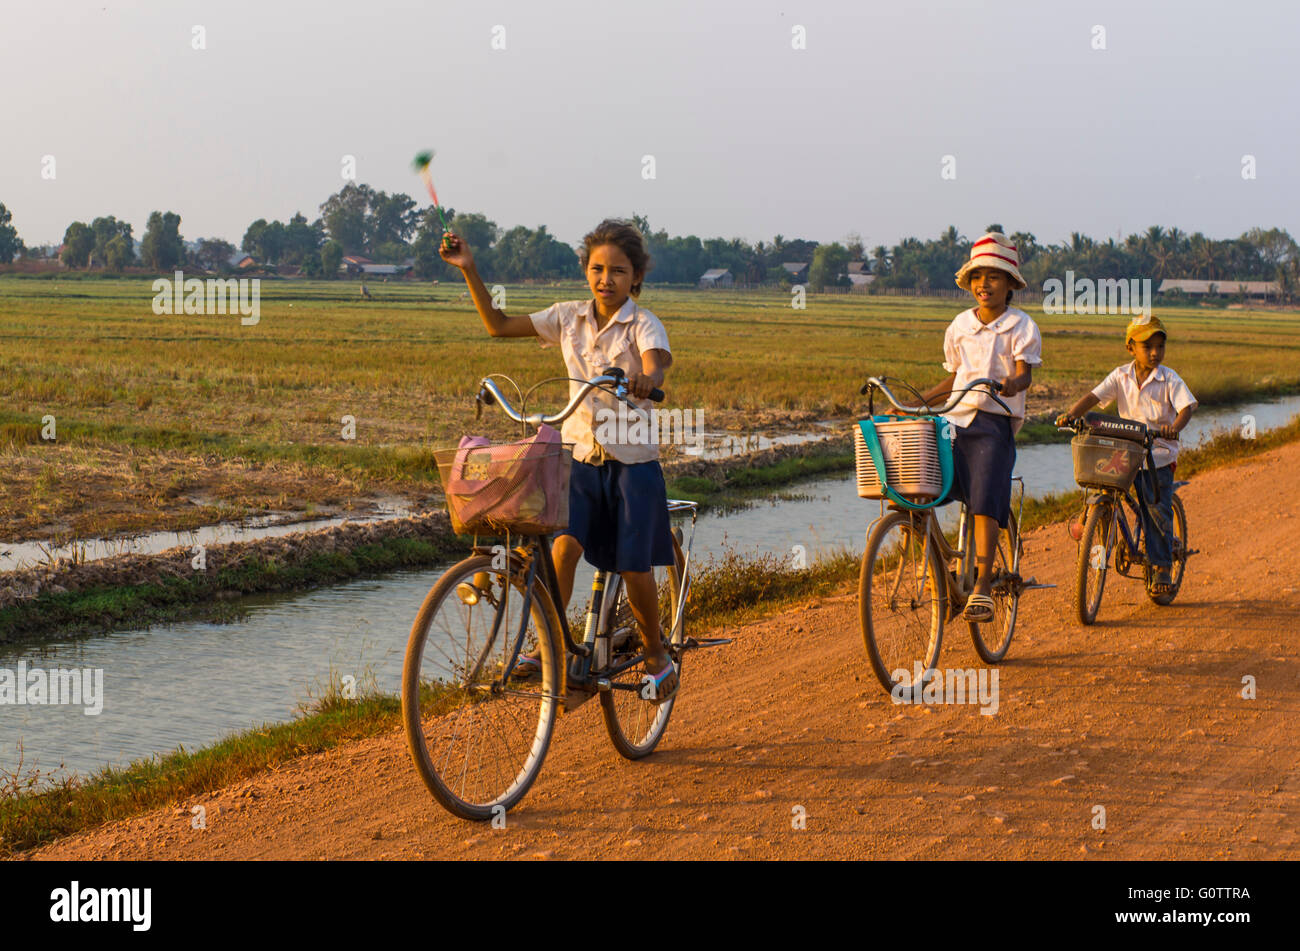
[[1179, 547], [992, 639], [634, 724], [895, 630], [1090, 569], [451, 699]]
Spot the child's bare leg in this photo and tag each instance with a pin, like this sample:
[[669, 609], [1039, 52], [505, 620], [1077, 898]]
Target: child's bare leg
[[986, 543], [565, 552], [643, 596]]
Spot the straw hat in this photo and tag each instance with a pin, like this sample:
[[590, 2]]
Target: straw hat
[[993, 250], [1143, 326]]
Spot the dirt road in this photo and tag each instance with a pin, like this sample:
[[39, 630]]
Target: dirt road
[[1141, 715]]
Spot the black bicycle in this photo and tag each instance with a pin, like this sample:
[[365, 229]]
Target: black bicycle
[[1110, 454]]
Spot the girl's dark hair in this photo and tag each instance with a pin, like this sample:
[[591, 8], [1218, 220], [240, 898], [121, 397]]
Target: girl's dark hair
[[624, 236]]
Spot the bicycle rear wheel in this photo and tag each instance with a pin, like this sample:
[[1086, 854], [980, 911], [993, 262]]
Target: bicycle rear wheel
[[1095, 546], [478, 740], [635, 725], [902, 597], [993, 637], [1179, 549]]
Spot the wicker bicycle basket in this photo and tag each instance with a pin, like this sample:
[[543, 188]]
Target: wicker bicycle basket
[[492, 490], [910, 448], [1104, 463]]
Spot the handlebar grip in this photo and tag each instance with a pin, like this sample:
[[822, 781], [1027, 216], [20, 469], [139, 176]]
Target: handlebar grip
[[656, 395]]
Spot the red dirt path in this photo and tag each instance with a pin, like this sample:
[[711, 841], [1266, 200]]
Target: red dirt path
[[1141, 714]]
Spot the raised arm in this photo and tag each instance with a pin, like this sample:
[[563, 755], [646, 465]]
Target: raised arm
[[498, 324]]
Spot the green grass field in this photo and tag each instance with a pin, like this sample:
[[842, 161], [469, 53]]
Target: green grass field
[[180, 419]]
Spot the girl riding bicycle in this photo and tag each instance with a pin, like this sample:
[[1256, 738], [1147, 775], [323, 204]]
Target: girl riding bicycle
[[618, 503], [1000, 342]]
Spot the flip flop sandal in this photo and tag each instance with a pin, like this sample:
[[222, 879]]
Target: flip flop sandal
[[526, 668], [1163, 587], [979, 609], [660, 695]]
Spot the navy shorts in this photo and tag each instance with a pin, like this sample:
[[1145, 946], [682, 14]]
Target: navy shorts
[[619, 514], [984, 453]]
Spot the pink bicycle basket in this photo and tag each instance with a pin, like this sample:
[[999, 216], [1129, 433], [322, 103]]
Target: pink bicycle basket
[[521, 487]]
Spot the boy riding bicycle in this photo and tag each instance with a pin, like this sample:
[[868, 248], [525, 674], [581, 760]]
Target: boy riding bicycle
[[1149, 392]]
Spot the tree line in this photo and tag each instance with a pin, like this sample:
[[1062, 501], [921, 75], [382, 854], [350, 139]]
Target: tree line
[[392, 229]]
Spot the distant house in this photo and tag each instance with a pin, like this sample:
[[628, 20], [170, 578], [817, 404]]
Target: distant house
[[1226, 287], [717, 277], [858, 267], [385, 270], [239, 261], [860, 281], [354, 263], [797, 270]]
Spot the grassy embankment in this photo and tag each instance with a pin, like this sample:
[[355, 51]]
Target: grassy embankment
[[727, 591]]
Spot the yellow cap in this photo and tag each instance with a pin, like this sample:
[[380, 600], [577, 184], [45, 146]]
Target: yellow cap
[[1142, 327]]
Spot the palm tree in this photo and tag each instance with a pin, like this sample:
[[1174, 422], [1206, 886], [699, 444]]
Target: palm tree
[[880, 255]]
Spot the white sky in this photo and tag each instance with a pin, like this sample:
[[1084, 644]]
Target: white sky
[[750, 137]]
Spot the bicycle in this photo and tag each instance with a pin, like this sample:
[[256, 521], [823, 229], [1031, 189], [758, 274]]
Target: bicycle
[[1110, 454], [906, 589], [478, 724]]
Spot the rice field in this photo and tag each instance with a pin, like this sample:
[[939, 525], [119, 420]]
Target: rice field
[[147, 407]]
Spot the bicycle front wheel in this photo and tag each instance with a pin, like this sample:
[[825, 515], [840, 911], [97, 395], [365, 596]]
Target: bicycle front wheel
[[1179, 549], [902, 596], [993, 637], [635, 725], [478, 736], [1095, 547]]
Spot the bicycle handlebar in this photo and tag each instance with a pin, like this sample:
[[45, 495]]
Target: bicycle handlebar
[[1080, 426], [489, 393], [878, 383]]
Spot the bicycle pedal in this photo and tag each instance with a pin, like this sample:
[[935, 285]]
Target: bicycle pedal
[[576, 698]]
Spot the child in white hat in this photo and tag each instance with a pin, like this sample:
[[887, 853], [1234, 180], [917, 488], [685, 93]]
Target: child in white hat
[[997, 341]]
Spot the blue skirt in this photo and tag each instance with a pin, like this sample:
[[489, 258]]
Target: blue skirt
[[619, 514], [984, 454]]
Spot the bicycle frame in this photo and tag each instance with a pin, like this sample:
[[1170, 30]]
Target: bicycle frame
[[580, 672], [1137, 505], [956, 593]]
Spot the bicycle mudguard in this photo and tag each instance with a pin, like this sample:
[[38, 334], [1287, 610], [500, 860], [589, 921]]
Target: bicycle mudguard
[[943, 445]]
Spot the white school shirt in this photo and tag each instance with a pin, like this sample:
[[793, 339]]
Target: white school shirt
[[974, 350], [633, 330], [1156, 401]]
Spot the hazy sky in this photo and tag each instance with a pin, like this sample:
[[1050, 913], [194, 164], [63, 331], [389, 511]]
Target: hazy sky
[[750, 137]]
